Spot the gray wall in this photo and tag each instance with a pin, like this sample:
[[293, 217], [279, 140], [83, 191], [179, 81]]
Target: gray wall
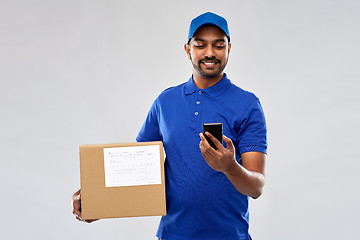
[[78, 72]]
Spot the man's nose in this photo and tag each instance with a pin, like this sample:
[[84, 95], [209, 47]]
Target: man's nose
[[209, 52]]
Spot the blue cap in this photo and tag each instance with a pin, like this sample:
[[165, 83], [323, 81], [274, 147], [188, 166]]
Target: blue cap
[[205, 19]]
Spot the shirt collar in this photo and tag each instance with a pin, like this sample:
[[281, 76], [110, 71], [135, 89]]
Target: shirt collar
[[212, 91]]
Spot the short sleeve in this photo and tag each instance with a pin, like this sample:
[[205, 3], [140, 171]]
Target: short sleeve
[[150, 129], [252, 135]]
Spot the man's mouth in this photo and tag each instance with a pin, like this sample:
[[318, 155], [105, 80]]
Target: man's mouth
[[209, 64]]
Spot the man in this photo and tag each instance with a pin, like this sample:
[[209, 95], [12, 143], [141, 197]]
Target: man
[[206, 189]]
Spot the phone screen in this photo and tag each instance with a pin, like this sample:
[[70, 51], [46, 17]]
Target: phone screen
[[216, 129]]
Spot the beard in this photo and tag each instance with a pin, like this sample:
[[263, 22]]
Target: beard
[[209, 75]]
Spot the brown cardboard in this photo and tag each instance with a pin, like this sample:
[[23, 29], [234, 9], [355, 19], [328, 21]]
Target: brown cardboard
[[98, 201]]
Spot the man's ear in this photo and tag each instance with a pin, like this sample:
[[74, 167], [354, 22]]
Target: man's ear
[[187, 50], [229, 48]]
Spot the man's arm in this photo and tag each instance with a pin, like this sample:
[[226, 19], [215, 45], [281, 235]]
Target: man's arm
[[248, 179]]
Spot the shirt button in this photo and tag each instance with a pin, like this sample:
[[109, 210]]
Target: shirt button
[[200, 92], [196, 113], [197, 102]]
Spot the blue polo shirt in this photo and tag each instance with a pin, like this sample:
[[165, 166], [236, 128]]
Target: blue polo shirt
[[201, 202]]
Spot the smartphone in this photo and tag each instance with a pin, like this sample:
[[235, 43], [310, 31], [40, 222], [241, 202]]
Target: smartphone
[[216, 129]]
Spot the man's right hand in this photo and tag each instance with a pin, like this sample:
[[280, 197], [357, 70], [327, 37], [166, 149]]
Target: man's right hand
[[76, 207]]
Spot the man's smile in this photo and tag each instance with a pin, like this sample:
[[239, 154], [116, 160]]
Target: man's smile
[[210, 63]]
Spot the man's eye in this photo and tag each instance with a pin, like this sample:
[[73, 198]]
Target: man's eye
[[200, 46], [219, 46]]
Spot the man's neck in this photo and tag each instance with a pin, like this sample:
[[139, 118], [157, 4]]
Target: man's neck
[[202, 82]]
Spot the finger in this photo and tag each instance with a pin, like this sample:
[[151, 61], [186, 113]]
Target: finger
[[76, 194], [207, 151], [76, 204], [206, 144], [83, 220], [206, 154], [76, 197], [218, 145], [76, 213], [229, 143], [203, 143], [79, 218], [204, 140], [208, 158]]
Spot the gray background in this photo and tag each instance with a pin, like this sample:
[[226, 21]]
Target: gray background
[[78, 72]]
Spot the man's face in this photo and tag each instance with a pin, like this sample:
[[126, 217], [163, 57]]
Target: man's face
[[209, 51]]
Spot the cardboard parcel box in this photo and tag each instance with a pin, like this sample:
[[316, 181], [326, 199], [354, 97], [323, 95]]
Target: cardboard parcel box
[[122, 180]]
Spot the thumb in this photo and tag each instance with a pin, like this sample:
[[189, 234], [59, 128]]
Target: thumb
[[229, 143]]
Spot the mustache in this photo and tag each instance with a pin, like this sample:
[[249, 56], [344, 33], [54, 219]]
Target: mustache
[[212, 59]]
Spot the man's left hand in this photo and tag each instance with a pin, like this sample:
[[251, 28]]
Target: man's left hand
[[222, 159]]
